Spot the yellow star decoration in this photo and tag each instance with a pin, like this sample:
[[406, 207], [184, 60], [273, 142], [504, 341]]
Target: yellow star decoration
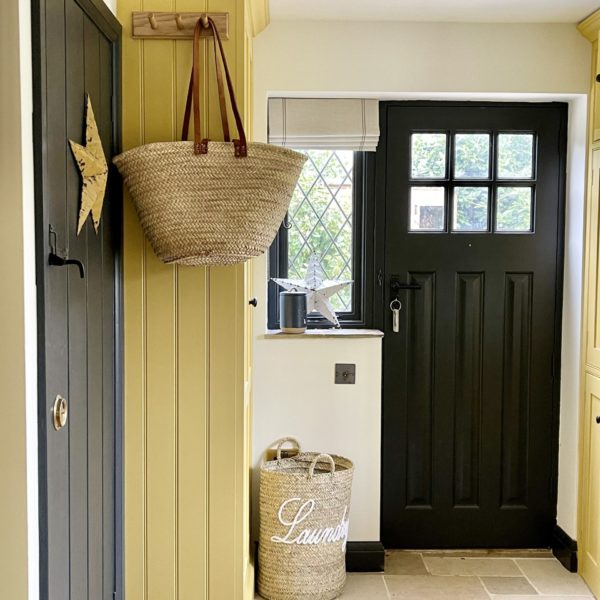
[[94, 170]]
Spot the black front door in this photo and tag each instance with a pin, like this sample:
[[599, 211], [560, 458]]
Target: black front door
[[473, 224], [76, 54]]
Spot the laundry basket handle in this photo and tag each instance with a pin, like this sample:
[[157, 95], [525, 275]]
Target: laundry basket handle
[[285, 440], [324, 457]]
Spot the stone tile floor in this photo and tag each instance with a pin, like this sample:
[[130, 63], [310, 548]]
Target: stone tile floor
[[468, 575]]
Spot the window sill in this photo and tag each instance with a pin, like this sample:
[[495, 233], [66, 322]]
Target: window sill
[[273, 334]]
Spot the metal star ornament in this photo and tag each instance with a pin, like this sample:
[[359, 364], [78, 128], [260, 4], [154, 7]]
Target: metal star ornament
[[318, 289], [94, 170]]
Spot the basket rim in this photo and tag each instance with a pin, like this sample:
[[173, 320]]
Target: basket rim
[[273, 467], [281, 149]]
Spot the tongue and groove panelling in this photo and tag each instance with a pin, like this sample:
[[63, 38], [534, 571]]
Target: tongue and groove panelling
[[186, 352]]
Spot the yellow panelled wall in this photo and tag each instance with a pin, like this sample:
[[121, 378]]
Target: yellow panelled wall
[[589, 445], [187, 350]]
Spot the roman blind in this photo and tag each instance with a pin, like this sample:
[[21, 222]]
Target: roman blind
[[324, 123]]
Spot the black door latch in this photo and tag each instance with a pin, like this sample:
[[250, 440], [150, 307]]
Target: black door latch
[[56, 260], [396, 285]]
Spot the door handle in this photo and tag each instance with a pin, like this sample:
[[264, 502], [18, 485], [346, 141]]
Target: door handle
[[55, 260], [395, 305], [58, 261], [396, 285], [60, 412]]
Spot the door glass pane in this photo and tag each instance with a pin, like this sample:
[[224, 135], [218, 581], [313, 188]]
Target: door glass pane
[[427, 211], [472, 155], [470, 209], [515, 155], [513, 209], [428, 155]]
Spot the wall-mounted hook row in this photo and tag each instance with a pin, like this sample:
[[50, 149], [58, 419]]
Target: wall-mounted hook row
[[177, 25]]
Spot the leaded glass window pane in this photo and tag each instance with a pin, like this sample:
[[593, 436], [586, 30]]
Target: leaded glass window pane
[[321, 219]]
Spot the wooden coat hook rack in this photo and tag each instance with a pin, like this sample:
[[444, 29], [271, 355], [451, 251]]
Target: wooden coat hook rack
[[176, 25]]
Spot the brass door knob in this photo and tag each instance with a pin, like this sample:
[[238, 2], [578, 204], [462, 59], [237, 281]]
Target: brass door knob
[[60, 412]]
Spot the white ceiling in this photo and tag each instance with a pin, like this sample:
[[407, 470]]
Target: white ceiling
[[478, 11]]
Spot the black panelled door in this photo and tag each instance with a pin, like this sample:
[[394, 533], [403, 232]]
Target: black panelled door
[[76, 53], [473, 224]]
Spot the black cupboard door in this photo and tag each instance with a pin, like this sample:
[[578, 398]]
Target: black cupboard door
[[473, 220], [76, 53]]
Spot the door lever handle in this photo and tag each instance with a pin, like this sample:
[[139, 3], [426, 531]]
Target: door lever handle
[[59, 261], [396, 285], [55, 260], [406, 286]]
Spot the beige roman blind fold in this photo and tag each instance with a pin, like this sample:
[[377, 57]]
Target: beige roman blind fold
[[324, 123]]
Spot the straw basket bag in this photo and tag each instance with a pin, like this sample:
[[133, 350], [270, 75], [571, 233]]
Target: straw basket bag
[[209, 203], [304, 505]]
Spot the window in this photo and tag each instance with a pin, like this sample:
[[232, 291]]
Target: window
[[480, 182], [326, 215]]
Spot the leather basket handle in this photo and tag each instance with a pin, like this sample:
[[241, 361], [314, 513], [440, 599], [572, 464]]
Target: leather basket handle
[[193, 97]]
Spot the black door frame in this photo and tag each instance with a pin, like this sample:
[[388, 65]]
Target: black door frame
[[106, 22], [377, 168]]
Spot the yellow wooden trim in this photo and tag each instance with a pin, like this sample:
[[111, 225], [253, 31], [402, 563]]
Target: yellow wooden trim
[[187, 390], [259, 17], [589, 26], [589, 552], [585, 303], [590, 333], [586, 367]]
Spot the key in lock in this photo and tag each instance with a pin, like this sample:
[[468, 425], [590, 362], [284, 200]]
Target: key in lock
[[395, 307]]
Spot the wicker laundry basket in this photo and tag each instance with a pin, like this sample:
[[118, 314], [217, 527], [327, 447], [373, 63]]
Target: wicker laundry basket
[[208, 203], [304, 506]]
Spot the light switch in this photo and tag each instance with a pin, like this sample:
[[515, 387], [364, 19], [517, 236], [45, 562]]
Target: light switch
[[345, 373]]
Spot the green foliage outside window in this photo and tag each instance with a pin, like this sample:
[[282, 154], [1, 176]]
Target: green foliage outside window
[[428, 155], [320, 217], [515, 155], [471, 161], [472, 156], [513, 212], [320, 213]]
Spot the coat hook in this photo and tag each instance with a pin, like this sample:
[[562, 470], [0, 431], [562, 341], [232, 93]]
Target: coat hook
[[152, 20], [204, 19], [179, 21]]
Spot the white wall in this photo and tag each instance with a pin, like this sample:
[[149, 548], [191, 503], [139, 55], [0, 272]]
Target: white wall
[[412, 60], [298, 397], [568, 462], [112, 4]]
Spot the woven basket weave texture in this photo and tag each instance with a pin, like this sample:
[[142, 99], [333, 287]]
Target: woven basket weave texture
[[302, 571], [214, 208]]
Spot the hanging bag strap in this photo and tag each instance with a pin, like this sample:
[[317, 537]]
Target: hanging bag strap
[[193, 97], [222, 100], [221, 91]]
